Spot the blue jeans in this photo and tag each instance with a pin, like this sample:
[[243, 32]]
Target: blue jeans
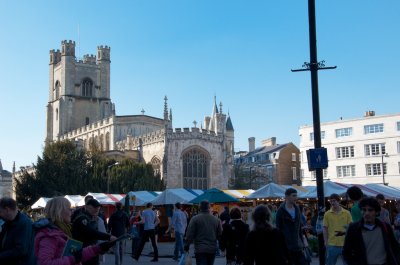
[[178, 245], [332, 254], [205, 258], [119, 252]]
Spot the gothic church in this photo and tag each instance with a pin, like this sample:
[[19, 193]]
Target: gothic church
[[80, 109]]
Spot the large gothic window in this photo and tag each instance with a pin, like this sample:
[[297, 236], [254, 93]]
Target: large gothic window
[[195, 169], [87, 87], [156, 164]]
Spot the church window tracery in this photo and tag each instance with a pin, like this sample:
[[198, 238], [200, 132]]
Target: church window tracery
[[156, 164], [195, 169], [87, 87]]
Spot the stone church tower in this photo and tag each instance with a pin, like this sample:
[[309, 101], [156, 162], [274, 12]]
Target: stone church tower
[[80, 109], [79, 91]]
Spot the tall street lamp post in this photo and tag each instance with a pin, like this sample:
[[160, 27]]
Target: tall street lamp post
[[383, 169], [108, 175]]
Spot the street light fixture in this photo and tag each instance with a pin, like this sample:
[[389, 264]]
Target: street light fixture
[[383, 169], [108, 175]]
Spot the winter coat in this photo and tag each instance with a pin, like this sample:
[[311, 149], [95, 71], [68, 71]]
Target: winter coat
[[354, 252], [50, 242], [265, 247], [291, 228], [232, 239], [118, 223], [16, 241]]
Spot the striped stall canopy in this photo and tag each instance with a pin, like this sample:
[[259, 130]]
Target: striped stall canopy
[[140, 198], [103, 198], [238, 194]]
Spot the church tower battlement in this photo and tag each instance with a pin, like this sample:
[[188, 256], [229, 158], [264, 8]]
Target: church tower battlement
[[79, 91]]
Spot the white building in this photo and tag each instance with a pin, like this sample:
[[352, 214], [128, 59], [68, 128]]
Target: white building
[[362, 150]]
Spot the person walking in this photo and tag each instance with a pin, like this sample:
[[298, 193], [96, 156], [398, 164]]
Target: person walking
[[178, 223], [53, 233], [384, 214], [370, 241], [204, 230], [233, 236], [85, 228], [355, 194], [16, 237], [149, 219], [118, 225], [136, 231], [264, 244], [288, 220], [335, 224]]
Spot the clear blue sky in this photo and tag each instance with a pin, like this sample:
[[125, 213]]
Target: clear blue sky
[[241, 51]]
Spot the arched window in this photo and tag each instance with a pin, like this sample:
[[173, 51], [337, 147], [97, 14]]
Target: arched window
[[195, 169], [56, 114], [56, 92], [87, 87], [156, 164]]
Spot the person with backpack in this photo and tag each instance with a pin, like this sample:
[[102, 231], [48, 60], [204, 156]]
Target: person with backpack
[[233, 236]]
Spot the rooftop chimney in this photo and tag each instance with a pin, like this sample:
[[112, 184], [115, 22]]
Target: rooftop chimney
[[369, 113], [269, 142], [252, 144]]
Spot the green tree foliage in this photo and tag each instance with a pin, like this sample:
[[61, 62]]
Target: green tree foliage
[[241, 179], [27, 190], [64, 169]]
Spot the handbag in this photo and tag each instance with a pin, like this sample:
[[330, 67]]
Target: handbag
[[307, 255], [186, 259]]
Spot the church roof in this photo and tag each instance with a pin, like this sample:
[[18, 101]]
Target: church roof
[[229, 126]]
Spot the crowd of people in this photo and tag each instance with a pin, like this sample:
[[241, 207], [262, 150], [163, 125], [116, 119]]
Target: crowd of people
[[365, 234]]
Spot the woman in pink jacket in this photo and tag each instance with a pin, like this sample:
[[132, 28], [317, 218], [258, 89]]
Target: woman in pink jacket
[[53, 232]]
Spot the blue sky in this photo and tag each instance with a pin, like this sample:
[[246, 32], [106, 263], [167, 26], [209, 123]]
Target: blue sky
[[240, 51]]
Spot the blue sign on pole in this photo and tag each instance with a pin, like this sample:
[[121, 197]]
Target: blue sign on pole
[[317, 158]]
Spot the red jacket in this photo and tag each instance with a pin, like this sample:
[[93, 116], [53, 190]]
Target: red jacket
[[49, 246]]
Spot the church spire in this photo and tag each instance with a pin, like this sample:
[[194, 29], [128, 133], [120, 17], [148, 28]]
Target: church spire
[[215, 109], [170, 114], [165, 108]]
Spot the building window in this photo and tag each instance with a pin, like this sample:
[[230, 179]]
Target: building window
[[346, 171], [374, 149], [87, 87], [156, 164], [398, 125], [342, 132], [344, 152], [398, 147], [312, 135], [56, 114], [373, 128], [375, 169], [324, 174], [57, 90], [302, 173], [294, 173], [87, 121], [294, 157], [195, 169]]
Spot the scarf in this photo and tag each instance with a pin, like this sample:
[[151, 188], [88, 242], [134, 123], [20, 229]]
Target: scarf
[[66, 228]]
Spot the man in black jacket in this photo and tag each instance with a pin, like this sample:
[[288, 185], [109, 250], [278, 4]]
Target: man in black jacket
[[16, 237], [370, 241], [288, 220], [85, 228], [118, 225]]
